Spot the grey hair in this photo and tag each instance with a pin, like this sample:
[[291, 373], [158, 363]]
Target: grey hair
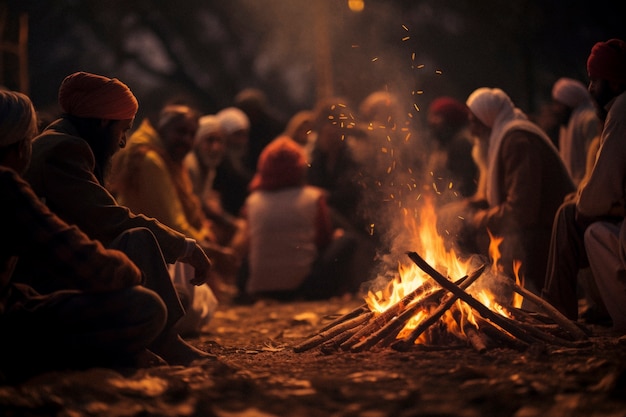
[[18, 119]]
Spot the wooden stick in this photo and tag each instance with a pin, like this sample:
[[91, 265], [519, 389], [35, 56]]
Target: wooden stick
[[440, 311], [483, 310], [332, 332], [494, 332], [362, 309], [332, 345], [386, 316], [551, 311], [475, 338], [552, 339], [396, 323]]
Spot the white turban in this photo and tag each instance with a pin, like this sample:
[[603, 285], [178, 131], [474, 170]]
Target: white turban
[[233, 119], [206, 125], [570, 92], [490, 105], [494, 108]]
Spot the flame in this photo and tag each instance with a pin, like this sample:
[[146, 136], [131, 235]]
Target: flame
[[494, 252], [433, 249], [421, 228], [517, 298]]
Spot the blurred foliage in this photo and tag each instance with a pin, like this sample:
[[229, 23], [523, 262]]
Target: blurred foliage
[[206, 51]]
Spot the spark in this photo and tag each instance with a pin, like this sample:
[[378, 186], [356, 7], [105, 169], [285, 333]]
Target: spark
[[405, 28], [406, 38], [438, 72], [374, 59], [416, 107]]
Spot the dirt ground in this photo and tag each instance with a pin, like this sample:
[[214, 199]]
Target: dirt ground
[[259, 374]]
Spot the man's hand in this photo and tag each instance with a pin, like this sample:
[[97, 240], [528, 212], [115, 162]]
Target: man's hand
[[201, 263]]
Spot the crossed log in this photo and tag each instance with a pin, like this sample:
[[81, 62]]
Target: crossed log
[[362, 329]]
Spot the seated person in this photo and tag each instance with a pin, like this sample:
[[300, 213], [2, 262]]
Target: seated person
[[71, 158], [92, 322], [291, 247]]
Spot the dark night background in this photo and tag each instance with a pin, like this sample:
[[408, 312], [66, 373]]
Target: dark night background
[[207, 51]]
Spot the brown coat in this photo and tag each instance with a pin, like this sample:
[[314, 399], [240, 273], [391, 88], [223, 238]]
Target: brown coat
[[533, 183]]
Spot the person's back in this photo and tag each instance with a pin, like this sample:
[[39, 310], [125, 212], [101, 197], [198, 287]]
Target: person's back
[[292, 251], [282, 238]]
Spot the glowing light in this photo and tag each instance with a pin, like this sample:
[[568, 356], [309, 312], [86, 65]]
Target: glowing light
[[356, 5]]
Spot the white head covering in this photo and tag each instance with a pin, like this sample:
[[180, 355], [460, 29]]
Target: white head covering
[[570, 92], [494, 108], [233, 119], [490, 105], [207, 124]]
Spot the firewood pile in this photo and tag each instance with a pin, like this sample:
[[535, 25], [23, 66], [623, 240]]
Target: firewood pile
[[363, 329]]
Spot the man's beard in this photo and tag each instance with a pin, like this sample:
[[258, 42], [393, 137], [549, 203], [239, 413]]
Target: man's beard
[[103, 152]]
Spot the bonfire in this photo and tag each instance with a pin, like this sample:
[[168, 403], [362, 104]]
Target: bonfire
[[440, 298]]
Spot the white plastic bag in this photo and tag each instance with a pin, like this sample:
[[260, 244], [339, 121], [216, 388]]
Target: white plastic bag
[[199, 301]]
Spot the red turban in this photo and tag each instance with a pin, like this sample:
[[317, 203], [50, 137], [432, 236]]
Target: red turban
[[608, 61], [451, 111], [93, 96], [282, 164]]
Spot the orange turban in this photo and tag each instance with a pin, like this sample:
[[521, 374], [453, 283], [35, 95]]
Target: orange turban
[[93, 96], [607, 60], [282, 164]]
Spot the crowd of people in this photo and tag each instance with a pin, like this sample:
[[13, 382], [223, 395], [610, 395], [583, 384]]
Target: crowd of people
[[120, 240]]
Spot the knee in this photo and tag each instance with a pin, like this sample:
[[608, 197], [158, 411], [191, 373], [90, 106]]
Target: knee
[[139, 240], [149, 306]]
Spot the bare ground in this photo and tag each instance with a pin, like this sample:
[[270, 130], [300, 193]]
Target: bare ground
[[259, 374]]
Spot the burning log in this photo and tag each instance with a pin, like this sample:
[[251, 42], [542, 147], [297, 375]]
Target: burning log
[[440, 311], [362, 328], [483, 310], [475, 338], [391, 314], [356, 343]]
